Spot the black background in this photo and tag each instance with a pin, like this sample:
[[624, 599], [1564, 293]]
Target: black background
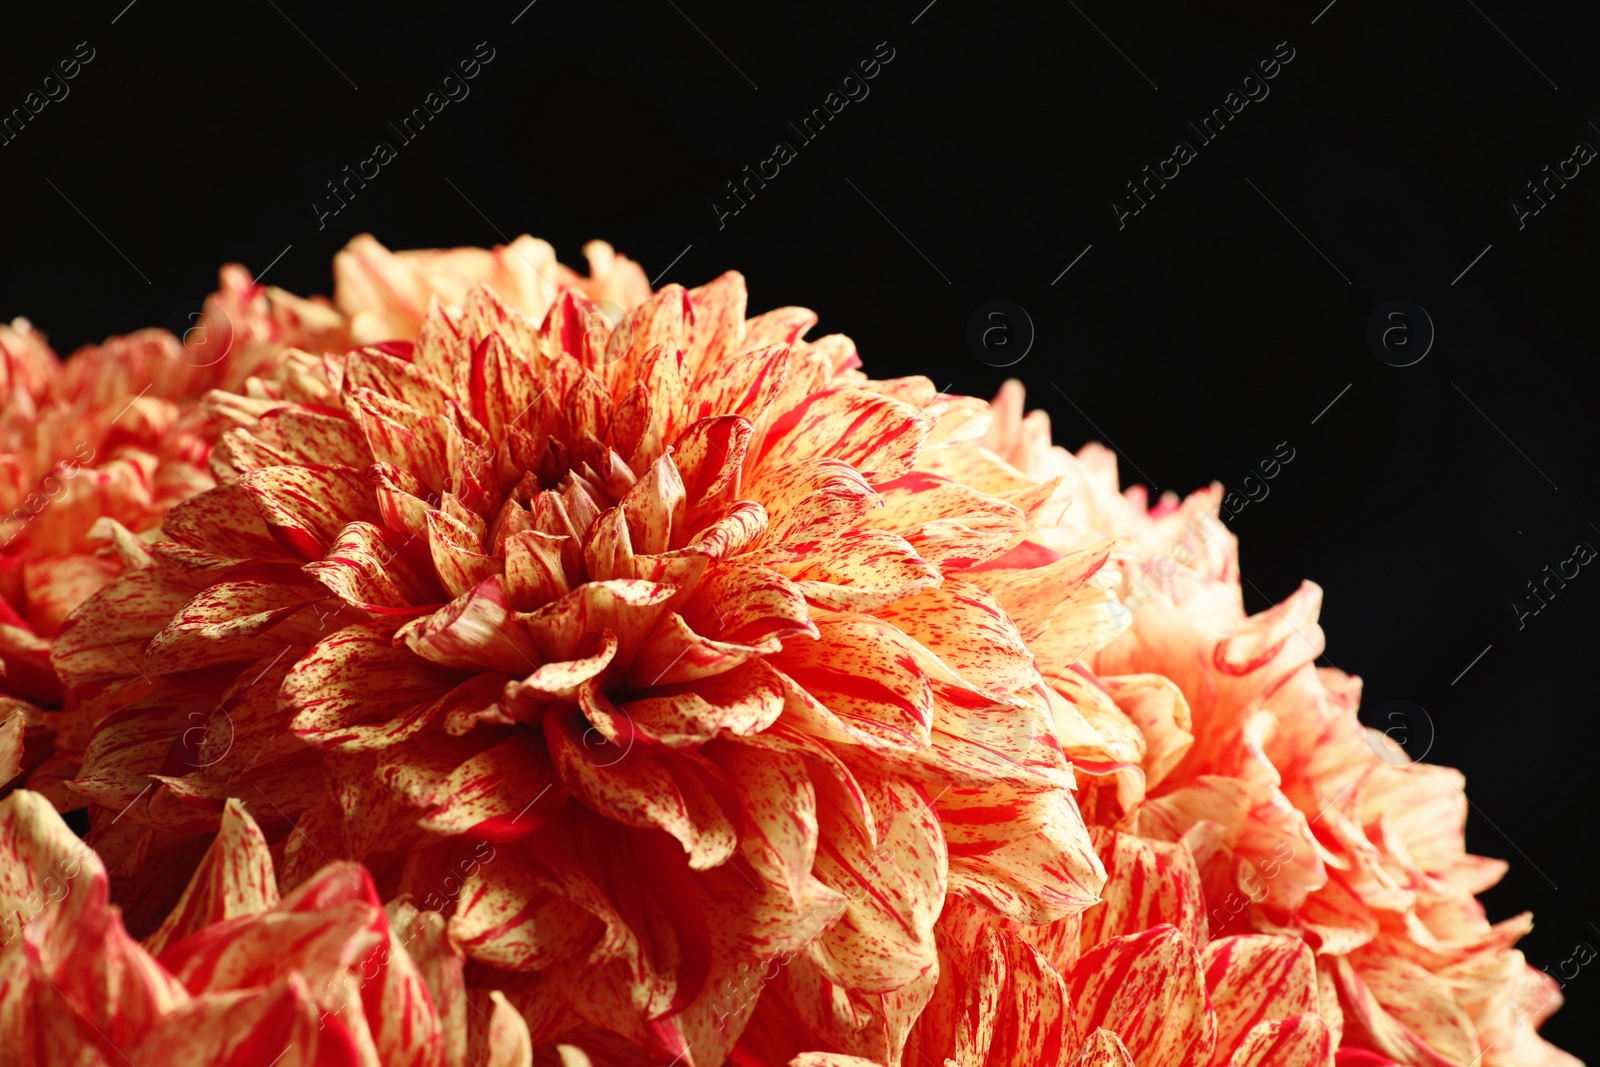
[[983, 162]]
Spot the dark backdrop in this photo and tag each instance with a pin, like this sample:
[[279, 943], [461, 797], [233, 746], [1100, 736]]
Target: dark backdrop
[[1384, 160]]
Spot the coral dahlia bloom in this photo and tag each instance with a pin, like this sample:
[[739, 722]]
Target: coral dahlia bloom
[[100, 446], [385, 295], [234, 975], [1299, 823], [676, 645]]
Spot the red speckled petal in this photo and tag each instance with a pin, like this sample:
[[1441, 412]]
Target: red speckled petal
[[950, 525], [1148, 989], [355, 687], [966, 627], [304, 508], [861, 570], [235, 878], [1103, 1048], [1254, 980], [885, 938], [1147, 883], [876, 435], [1024, 854], [1298, 1041]]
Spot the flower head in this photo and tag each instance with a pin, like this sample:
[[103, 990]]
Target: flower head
[[1213, 731], [234, 974], [93, 452], [689, 624]]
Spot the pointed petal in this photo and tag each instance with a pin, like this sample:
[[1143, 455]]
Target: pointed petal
[[746, 385], [866, 673], [1298, 1041], [230, 621], [885, 938], [1025, 855], [811, 499], [221, 526], [502, 1039], [950, 525], [235, 878], [473, 632], [719, 326], [861, 570], [1017, 1010], [966, 627], [1103, 1048], [1255, 979], [375, 568], [778, 326], [491, 785]]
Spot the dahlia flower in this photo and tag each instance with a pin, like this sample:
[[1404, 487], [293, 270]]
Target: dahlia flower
[[98, 447], [1300, 824], [678, 644], [385, 295], [234, 975]]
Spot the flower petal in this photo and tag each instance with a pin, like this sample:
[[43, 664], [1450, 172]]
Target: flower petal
[[1023, 854], [965, 627], [235, 878], [1256, 979], [1148, 989], [949, 524], [860, 570], [1103, 1048], [473, 632], [1298, 1041], [1147, 883], [876, 435], [885, 938], [305, 507], [355, 688]]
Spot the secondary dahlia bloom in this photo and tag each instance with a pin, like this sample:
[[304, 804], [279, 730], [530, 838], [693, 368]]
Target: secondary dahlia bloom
[[100, 446], [234, 975], [386, 295], [1301, 824], [1135, 980], [676, 644]]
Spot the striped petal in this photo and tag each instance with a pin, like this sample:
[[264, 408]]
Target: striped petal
[[951, 526], [895, 891], [965, 626], [1298, 1041], [866, 674], [305, 507], [234, 879], [876, 435], [355, 689], [1148, 989], [1023, 854], [860, 570], [1103, 1048], [1147, 883], [1017, 1011], [1255, 980]]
